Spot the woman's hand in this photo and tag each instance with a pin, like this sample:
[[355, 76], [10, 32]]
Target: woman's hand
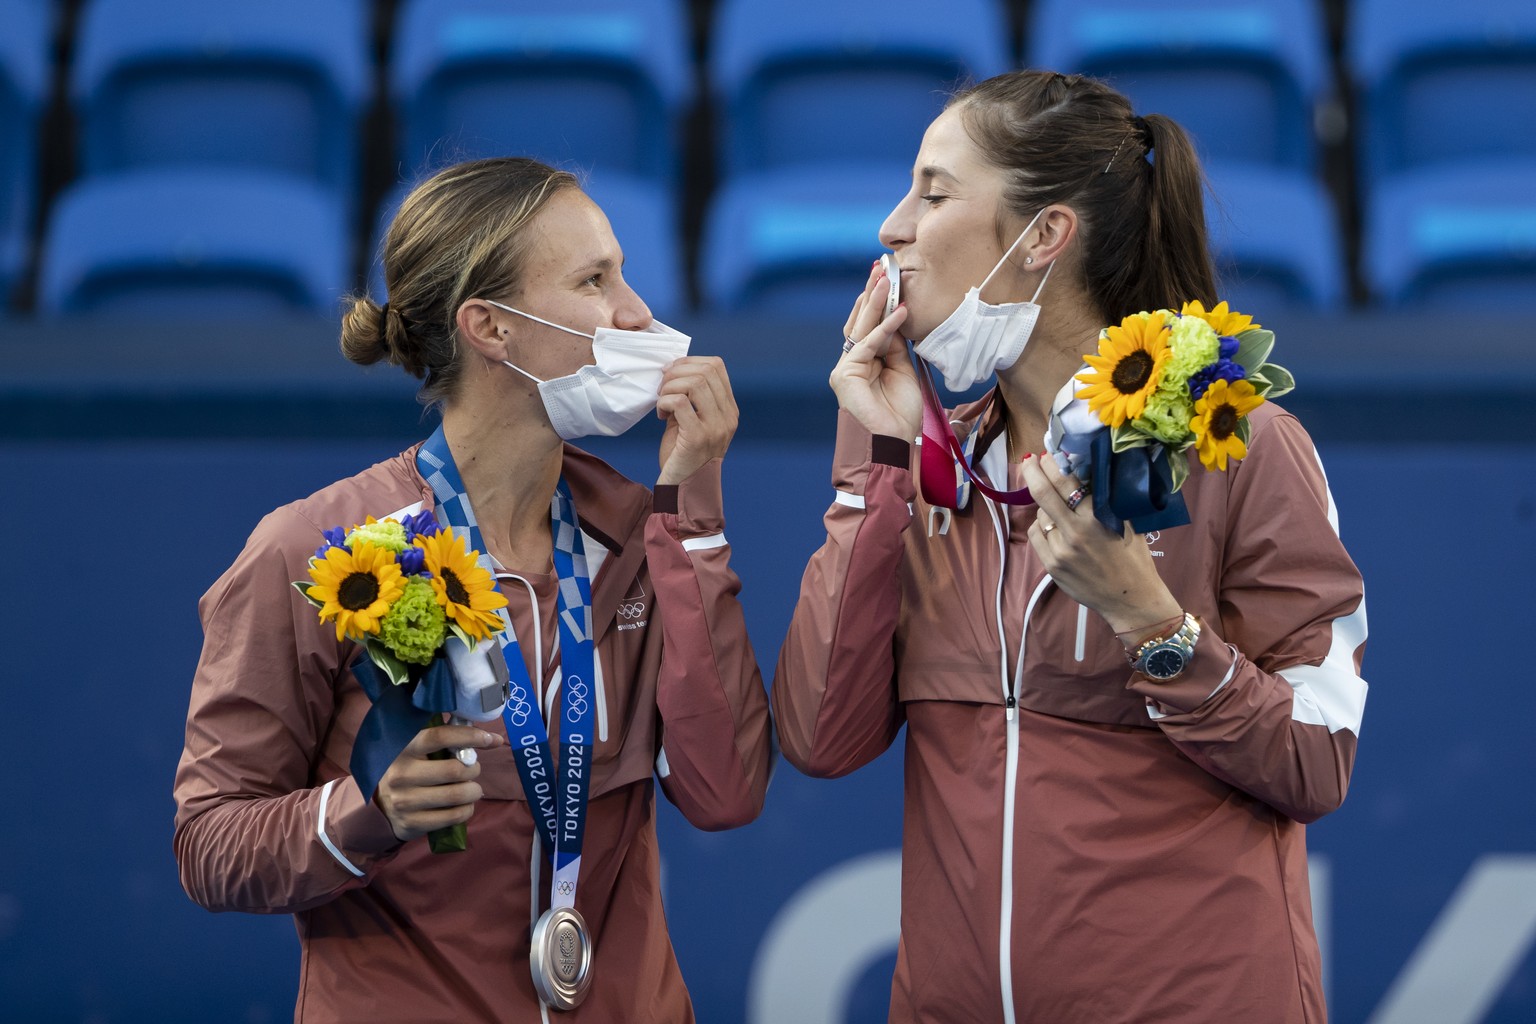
[[418, 795], [874, 381], [700, 412], [1113, 575]]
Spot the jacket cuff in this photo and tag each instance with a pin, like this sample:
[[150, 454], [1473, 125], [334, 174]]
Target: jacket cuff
[[355, 832], [1209, 671], [697, 502], [885, 450]]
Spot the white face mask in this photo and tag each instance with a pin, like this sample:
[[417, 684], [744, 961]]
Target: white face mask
[[978, 339], [615, 394]]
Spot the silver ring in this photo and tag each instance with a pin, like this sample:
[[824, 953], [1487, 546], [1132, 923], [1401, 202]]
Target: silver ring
[[1076, 497], [848, 344]]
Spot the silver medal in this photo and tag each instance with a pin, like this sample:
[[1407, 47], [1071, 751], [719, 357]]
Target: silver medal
[[561, 958]]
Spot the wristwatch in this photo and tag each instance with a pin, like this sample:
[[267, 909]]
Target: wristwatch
[[1163, 657]]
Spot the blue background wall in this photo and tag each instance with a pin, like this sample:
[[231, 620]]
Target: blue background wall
[[121, 514]]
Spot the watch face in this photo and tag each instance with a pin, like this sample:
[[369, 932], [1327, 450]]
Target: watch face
[[1164, 663]]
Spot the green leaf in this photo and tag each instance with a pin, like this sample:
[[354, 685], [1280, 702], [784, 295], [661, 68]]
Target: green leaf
[[1125, 437], [1243, 430], [1280, 380], [393, 667], [302, 586], [1253, 348], [1178, 465], [458, 631], [1261, 384]]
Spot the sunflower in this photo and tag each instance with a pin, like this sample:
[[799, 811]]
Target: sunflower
[[465, 590], [355, 587], [1127, 368], [1226, 322], [1217, 416]]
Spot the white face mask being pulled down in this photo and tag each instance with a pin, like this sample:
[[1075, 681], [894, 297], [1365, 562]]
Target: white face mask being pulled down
[[608, 398], [978, 339]]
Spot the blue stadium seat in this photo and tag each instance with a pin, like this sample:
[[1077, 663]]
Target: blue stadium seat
[[805, 81], [601, 83], [1275, 238], [1455, 236], [1443, 82], [277, 84], [643, 220], [1244, 79], [23, 88], [798, 243], [194, 243]]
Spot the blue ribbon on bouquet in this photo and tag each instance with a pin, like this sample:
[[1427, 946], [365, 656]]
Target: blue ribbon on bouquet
[[1135, 485], [397, 715]]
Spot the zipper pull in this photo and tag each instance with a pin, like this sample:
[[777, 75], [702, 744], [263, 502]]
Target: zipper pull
[[1010, 706]]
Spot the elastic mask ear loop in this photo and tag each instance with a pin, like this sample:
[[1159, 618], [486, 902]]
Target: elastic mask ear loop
[[547, 323], [988, 279], [508, 363]]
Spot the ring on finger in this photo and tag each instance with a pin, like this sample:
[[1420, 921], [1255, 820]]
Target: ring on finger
[[848, 344], [1047, 526], [1076, 497]]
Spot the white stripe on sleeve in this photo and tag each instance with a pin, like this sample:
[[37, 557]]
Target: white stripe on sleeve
[[1332, 694], [714, 540], [325, 799], [848, 498]]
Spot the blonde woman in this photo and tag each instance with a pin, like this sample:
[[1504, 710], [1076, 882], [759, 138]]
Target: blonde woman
[[506, 296]]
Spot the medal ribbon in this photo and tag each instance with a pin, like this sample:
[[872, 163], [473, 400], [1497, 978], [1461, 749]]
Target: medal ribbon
[[557, 793], [943, 465]]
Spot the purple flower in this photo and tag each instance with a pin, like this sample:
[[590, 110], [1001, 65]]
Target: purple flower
[[1228, 347], [422, 524], [1222, 369], [412, 561], [335, 537]]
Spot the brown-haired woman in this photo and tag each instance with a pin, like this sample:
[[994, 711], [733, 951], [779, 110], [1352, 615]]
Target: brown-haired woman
[[1082, 842], [506, 297]]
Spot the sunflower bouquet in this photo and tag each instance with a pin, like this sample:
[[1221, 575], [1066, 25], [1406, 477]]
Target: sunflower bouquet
[[424, 610], [1163, 383]]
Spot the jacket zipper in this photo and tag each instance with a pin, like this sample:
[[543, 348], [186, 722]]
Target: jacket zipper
[[1011, 761]]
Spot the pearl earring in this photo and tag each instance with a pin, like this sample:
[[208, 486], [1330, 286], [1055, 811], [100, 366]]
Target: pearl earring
[[1029, 259]]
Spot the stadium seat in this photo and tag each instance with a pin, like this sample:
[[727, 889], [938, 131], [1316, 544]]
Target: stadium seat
[[1275, 238], [642, 217], [806, 81], [194, 243], [600, 83], [24, 55], [1455, 236], [1442, 82], [278, 84], [798, 242], [1244, 79]]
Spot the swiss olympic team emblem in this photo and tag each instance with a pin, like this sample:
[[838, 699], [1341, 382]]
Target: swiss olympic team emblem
[[575, 699], [631, 611], [518, 708]]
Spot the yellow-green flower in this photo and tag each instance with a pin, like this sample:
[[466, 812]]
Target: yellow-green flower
[[414, 627], [355, 588], [388, 535], [465, 591], [1217, 416], [1168, 413], [1127, 369], [1194, 346], [1221, 319]]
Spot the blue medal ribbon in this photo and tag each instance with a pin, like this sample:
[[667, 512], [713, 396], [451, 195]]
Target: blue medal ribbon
[[556, 791]]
